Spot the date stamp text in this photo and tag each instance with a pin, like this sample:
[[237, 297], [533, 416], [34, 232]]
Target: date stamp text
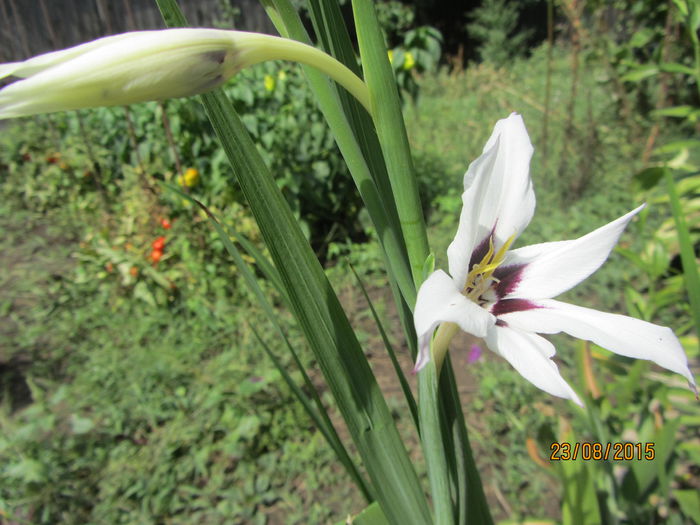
[[601, 451]]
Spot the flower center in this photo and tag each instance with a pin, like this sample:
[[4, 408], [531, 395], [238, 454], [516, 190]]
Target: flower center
[[480, 277]]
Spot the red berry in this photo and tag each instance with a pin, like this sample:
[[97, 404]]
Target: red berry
[[165, 223], [156, 255], [159, 244]]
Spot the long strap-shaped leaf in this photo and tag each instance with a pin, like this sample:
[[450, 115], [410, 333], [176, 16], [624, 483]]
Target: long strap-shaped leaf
[[379, 206], [389, 350], [443, 432], [320, 317], [354, 133], [388, 120], [690, 266]]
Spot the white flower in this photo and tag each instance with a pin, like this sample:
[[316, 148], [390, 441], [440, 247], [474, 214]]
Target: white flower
[[506, 296], [150, 65]]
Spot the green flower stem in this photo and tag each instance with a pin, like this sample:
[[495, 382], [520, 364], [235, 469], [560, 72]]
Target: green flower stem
[[441, 343], [269, 47]]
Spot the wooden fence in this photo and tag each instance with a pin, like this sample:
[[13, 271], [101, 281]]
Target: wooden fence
[[28, 28]]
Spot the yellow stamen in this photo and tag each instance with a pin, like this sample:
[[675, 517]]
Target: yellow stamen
[[478, 281], [479, 276]]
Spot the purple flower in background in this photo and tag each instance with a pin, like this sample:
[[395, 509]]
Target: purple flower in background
[[474, 354]]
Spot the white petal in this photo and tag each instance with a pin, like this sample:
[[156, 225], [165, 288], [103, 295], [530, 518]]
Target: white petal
[[531, 356], [128, 68], [36, 64], [440, 301], [498, 194], [552, 268], [621, 334]]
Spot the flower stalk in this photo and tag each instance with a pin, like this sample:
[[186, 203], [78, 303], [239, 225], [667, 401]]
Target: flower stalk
[[152, 65]]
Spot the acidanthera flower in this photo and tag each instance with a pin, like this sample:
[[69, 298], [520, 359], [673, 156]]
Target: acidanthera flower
[[505, 296], [150, 65]]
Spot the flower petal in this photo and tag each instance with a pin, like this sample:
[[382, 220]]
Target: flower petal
[[440, 301], [618, 333], [127, 68], [531, 356], [551, 268], [39, 63], [498, 195]]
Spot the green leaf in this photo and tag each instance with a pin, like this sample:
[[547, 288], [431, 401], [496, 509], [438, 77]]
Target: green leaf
[[428, 265], [322, 320], [689, 502], [650, 177], [674, 67], [640, 73], [353, 133], [372, 515], [690, 265], [677, 146], [642, 475], [675, 111], [579, 503], [388, 120], [405, 387], [81, 425]]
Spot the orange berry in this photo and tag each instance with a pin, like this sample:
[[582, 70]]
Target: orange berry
[[159, 243]]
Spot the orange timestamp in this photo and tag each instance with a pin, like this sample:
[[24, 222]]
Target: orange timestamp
[[602, 451]]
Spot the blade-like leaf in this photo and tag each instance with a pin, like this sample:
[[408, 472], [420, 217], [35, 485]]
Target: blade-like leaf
[[690, 265], [388, 121], [379, 207], [405, 387], [321, 318]]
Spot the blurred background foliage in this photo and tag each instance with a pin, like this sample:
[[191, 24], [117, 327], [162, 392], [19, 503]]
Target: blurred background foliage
[[133, 389]]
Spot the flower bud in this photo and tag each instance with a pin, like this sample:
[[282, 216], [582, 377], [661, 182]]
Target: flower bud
[[149, 65]]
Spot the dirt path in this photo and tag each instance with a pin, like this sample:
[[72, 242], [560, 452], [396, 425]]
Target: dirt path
[[34, 258]]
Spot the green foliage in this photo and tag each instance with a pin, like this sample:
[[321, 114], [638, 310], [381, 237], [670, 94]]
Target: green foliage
[[495, 26], [181, 425], [281, 115]]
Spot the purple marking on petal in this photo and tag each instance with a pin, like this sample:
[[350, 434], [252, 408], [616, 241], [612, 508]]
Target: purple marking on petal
[[509, 277], [501, 323], [507, 306], [480, 251]]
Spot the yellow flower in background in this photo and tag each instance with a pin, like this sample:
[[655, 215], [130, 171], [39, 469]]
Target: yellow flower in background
[[189, 179], [282, 75], [390, 54], [409, 61], [269, 83]]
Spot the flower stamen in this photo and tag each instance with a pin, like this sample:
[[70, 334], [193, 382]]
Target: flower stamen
[[481, 275]]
